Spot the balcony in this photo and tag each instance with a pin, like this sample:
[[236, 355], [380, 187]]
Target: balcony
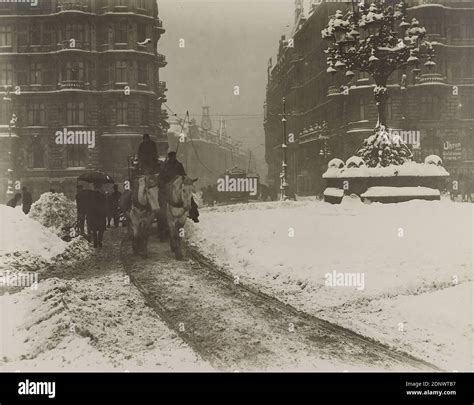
[[161, 87], [161, 59], [431, 78], [73, 6], [78, 45], [72, 84], [334, 91]]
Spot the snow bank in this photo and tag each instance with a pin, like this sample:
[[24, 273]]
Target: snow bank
[[97, 324], [54, 211], [19, 233], [407, 249]]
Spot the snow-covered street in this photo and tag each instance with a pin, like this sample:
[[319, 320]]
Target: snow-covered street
[[409, 267]]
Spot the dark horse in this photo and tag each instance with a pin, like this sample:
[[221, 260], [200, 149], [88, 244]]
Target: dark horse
[[178, 198], [141, 211]]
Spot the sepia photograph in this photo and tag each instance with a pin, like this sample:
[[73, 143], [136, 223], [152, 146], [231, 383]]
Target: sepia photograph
[[214, 188]]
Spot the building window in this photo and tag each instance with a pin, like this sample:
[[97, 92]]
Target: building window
[[75, 31], [362, 109], [22, 35], [122, 112], [4, 118], [454, 71], [141, 32], [143, 73], [36, 154], [121, 70], [76, 155], [6, 74], [121, 33], [468, 107], [144, 114], [6, 36], [49, 33], [35, 73], [430, 108], [36, 114], [74, 71], [75, 113], [35, 34], [141, 4]]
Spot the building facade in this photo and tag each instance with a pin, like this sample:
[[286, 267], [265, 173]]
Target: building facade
[[329, 116], [86, 69], [206, 153]]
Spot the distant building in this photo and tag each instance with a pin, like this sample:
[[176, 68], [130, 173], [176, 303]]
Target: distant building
[[205, 153], [74, 66], [437, 107]]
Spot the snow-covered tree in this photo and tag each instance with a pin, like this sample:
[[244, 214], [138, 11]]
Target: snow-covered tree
[[376, 38]]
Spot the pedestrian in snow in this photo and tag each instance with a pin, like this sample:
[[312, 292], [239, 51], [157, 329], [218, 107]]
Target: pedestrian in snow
[[81, 202], [113, 200], [27, 200], [97, 214], [14, 201]]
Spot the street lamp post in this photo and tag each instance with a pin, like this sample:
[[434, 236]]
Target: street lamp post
[[284, 165]]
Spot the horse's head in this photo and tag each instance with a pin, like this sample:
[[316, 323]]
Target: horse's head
[[182, 191], [187, 189]]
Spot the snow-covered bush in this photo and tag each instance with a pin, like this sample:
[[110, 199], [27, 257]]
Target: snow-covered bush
[[433, 160], [335, 164], [54, 211], [379, 150], [355, 161]]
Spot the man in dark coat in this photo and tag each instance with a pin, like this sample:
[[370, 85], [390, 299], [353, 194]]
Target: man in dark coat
[[14, 201], [97, 214], [147, 155], [113, 200], [169, 170], [81, 202], [27, 200]]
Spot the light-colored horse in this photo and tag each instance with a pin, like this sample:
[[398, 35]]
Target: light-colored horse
[[179, 193], [143, 210]]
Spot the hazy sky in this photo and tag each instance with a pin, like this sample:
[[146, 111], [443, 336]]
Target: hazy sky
[[227, 43]]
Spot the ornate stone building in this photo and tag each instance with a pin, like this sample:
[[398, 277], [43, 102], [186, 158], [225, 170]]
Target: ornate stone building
[[436, 105], [75, 66]]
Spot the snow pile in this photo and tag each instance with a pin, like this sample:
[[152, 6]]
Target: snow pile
[[20, 234], [54, 211], [94, 324], [411, 249]]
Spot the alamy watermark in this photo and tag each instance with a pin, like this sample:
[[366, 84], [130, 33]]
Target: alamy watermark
[[336, 279], [240, 184], [399, 136], [19, 279], [75, 137]]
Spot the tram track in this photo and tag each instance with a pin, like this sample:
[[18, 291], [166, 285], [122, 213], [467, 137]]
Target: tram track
[[239, 327]]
